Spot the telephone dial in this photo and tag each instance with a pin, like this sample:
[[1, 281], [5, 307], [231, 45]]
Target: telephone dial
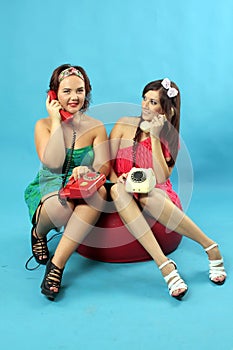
[[140, 180]]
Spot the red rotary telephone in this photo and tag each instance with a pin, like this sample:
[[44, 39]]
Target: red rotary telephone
[[83, 187]]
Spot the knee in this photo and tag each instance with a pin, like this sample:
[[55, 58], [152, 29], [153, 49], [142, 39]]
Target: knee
[[116, 190], [120, 197], [157, 196], [102, 192], [55, 213]]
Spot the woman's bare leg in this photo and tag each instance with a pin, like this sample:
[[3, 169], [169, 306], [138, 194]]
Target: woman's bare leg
[[49, 215], [139, 228], [158, 205], [52, 215], [79, 225]]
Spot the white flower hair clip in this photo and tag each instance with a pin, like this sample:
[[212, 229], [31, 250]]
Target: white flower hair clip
[[171, 92]]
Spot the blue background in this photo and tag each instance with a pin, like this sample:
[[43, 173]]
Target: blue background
[[122, 45]]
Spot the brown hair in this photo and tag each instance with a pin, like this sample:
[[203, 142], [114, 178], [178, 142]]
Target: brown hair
[[171, 108], [54, 83]]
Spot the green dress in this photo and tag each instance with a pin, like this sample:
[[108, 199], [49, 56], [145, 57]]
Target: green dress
[[47, 181]]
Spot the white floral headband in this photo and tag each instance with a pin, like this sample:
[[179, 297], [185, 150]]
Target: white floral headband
[[70, 71], [171, 92]]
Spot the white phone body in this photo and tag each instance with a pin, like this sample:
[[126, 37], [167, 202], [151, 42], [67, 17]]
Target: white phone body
[[140, 180]]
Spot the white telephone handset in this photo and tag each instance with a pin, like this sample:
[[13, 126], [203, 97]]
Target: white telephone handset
[[145, 126]]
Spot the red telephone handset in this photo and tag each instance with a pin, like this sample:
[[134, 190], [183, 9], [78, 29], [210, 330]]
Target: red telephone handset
[[65, 116]]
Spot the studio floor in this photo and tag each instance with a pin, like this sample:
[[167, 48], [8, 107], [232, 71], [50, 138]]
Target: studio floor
[[119, 306]]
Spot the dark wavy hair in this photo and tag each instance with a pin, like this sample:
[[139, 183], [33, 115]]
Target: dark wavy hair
[[54, 83], [171, 108]]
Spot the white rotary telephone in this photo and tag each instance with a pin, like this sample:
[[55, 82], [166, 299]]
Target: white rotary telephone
[[140, 180]]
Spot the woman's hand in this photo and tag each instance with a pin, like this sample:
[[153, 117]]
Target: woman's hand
[[157, 124], [53, 108], [122, 178], [79, 171]]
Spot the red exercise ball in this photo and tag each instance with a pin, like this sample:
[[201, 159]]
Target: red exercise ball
[[110, 241]]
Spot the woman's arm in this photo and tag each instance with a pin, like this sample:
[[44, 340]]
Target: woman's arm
[[114, 143], [49, 138], [160, 167], [101, 148]]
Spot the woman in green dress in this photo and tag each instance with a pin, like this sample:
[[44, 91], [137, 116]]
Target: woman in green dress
[[67, 145]]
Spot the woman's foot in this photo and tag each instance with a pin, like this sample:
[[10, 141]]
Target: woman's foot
[[217, 273], [51, 283], [39, 247], [176, 286]]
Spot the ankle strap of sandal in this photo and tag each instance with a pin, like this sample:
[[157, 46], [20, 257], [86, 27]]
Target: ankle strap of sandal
[[211, 247], [169, 261]]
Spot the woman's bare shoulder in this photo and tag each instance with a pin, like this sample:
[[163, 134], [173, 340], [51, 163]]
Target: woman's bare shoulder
[[43, 123], [124, 127], [127, 121], [91, 120]]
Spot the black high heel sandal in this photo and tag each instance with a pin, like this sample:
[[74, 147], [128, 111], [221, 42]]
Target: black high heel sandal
[[39, 248], [52, 278]]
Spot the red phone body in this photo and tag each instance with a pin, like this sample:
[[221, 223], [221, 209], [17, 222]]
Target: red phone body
[[84, 187], [65, 116]]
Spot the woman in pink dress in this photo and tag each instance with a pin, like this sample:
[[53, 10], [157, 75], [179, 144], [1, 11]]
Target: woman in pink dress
[[152, 141]]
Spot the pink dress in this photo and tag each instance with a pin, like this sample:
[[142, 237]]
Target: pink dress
[[124, 163]]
